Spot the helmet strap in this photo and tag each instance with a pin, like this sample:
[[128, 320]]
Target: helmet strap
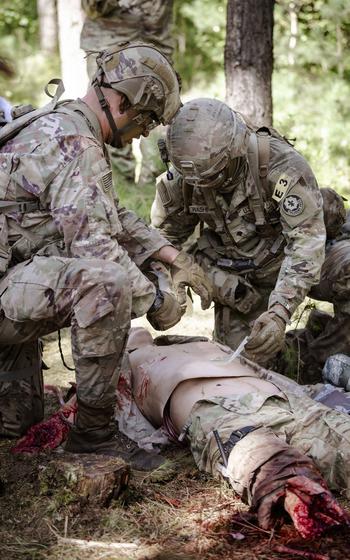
[[116, 138]]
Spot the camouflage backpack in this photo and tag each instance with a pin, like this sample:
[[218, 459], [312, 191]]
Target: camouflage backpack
[[21, 388], [21, 379], [22, 116]]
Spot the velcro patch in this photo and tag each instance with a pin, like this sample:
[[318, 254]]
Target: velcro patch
[[105, 182], [282, 185], [293, 205]]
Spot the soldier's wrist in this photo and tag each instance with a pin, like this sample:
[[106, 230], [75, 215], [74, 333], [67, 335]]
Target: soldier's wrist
[[281, 312]]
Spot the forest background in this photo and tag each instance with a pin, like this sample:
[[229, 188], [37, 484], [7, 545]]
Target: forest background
[[310, 85]]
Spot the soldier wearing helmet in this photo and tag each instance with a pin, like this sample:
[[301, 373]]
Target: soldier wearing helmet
[[70, 255], [262, 240]]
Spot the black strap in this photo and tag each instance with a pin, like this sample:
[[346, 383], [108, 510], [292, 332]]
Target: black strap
[[116, 140], [236, 436]]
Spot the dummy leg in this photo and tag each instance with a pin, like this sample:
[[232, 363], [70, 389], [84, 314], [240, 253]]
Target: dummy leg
[[262, 468]]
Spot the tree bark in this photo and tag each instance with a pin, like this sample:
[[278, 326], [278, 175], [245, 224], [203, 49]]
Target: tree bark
[[85, 479], [249, 58], [73, 64], [47, 25]]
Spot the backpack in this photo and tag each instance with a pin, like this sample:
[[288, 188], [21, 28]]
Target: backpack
[[22, 116]]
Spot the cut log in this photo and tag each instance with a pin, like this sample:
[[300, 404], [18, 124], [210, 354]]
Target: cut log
[[85, 478]]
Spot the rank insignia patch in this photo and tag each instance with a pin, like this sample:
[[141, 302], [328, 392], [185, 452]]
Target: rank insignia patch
[[293, 205]]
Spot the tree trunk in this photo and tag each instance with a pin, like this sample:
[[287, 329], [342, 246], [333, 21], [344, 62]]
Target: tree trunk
[[85, 479], [73, 64], [47, 25], [249, 58]]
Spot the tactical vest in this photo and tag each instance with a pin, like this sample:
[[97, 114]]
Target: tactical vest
[[260, 205]]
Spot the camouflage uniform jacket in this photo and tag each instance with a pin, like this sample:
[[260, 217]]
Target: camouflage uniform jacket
[[291, 248], [114, 21], [60, 161]]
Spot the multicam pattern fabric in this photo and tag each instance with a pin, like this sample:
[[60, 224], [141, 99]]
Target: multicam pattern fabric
[[113, 21], [78, 254], [299, 266], [313, 429], [286, 259]]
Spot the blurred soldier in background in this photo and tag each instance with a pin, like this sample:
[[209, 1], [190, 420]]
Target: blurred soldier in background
[[115, 21], [262, 239]]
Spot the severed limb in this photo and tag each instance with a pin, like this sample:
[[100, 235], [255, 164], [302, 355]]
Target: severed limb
[[274, 479]]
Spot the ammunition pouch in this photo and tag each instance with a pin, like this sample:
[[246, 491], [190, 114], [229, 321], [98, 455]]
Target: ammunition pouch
[[21, 388]]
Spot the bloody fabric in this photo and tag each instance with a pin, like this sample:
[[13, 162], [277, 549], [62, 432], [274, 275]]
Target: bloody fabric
[[50, 433]]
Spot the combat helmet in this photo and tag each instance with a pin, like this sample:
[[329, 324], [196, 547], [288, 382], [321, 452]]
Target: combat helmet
[[205, 136], [146, 78]]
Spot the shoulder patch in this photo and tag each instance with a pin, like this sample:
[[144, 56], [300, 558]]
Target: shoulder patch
[[281, 187], [293, 205]]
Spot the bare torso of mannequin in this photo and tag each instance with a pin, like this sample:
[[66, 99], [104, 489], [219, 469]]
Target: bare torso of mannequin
[[189, 392], [185, 374]]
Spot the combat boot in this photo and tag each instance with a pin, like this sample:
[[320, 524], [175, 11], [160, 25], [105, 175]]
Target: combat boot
[[94, 433]]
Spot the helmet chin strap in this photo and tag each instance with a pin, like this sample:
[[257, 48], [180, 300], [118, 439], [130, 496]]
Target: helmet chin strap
[[116, 141]]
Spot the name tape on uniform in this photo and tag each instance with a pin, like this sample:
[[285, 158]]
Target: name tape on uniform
[[281, 187]]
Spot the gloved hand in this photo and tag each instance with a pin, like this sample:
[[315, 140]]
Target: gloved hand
[[267, 336], [186, 272], [166, 310]]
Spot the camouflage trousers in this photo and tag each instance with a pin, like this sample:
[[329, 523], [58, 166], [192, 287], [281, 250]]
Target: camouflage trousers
[[316, 343], [313, 429], [92, 295]]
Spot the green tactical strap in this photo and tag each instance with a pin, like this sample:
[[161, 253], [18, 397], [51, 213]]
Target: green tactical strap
[[18, 373], [187, 193], [209, 196], [256, 202], [7, 206]]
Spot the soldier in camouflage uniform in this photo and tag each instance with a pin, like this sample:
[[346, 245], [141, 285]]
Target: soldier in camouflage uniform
[[69, 254], [115, 21], [275, 439], [262, 237]]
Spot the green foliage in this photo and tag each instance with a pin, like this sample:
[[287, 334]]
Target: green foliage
[[315, 111], [322, 35], [311, 84], [18, 18], [200, 27], [19, 44]]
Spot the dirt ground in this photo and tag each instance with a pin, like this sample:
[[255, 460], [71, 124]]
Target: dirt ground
[[173, 513]]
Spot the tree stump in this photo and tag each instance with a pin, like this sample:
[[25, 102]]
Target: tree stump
[[84, 478]]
